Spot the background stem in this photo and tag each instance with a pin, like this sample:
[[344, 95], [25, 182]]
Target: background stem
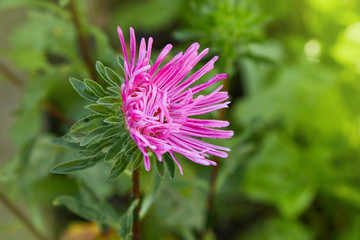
[[83, 45], [227, 68], [21, 216], [48, 106], [136, 195]]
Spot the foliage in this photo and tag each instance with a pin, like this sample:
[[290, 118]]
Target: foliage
[[293, 67]]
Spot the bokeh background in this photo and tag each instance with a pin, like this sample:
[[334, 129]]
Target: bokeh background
[[294, 68]]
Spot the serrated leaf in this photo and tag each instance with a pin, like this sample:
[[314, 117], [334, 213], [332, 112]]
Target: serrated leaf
[[138, 160], [100, 109], [113, 76], [109, 100], [100, 68], [93, 134], [81, 89], [126, 221], [112, 132], [114, 120], [119, 167], [95, 88], [75, 165], [169, 162], [160, 166]]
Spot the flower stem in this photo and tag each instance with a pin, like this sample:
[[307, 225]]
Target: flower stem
[[136, 195], [21, 216]]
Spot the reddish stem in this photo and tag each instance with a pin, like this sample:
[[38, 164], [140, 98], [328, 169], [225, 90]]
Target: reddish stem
[[83, 45]]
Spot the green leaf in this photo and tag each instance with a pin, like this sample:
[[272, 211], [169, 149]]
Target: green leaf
[[81, 89], [116, 149], [26, 127], [150, 196], [131, 148], [95, 210], [114, 120], [81, 128], [119, 167], [160, 166], [95, 88], [138, 160], [95, 148], [92, 120], [62, 142], [169, 162], [116, 90], [93, 134], [126, 221], [109, 100], [112, 132], [100, 68], [100, 109], [120, 61], [116, 78], [75, 165]]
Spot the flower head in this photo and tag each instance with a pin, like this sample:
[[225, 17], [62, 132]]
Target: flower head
[[159, 103]]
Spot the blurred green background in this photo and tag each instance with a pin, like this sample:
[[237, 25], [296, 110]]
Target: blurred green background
[[293, 65]]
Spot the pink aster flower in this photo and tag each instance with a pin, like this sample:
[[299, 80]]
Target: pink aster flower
[[159, 103]]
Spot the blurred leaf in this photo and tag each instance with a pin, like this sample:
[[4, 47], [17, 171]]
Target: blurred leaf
[[25, 127], [64, 3], [90, 211], [279, 229], [149, 196], [169, 162], [184, 205], [75, 165], [160, 166], [274, 176], [126, 221], [150, 15]]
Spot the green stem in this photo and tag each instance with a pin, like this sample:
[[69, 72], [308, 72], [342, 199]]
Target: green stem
[[21, 216], [136, 230]]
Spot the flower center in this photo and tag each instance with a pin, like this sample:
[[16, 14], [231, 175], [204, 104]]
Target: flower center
[[146, 110]]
